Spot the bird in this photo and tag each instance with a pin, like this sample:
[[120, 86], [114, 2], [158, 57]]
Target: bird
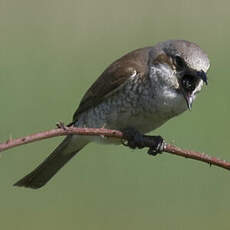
[[137, 93]]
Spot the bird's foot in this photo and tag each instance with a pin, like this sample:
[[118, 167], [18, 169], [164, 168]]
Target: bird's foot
[[158, 145], [134, 139]]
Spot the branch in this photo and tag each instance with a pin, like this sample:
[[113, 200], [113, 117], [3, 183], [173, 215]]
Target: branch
[[64, 130]]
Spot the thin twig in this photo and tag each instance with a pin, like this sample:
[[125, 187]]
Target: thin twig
[[63, 131]]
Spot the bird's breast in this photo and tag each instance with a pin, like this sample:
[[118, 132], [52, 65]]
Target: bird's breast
[[138, 104]]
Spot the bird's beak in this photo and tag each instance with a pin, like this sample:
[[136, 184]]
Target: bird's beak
[[188, 99], [187, 93]]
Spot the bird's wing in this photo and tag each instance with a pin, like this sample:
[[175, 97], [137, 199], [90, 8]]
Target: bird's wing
[[117, 74]]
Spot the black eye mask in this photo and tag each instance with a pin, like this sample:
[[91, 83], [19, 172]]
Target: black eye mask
[[189, 83]]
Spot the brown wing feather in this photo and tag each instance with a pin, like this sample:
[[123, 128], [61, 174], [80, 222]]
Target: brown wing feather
[[113, 77]]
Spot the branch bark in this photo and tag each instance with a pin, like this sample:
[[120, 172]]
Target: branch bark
[[64, 130]]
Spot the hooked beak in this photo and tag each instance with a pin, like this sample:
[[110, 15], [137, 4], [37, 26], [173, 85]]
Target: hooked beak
[[188, 99], [189, 84]]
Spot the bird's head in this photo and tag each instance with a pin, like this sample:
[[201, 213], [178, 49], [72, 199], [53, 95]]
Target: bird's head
[[188, 64]]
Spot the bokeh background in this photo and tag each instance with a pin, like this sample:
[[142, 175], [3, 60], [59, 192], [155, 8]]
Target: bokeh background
[[50, 53]]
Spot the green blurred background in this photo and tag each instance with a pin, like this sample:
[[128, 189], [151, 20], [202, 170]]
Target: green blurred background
[[50, 53]]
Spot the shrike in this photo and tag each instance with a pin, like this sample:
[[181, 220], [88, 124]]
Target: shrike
[[140, 91]]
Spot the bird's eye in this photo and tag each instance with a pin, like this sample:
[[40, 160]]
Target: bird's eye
[[179, 62], [189, 83]]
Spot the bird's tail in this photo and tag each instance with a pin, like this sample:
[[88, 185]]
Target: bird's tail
[[55, 161]]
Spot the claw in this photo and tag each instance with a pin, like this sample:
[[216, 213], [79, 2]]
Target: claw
[[158, 147], [134, 139]]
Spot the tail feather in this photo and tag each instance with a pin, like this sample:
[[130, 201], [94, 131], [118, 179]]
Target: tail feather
[[52, 164]]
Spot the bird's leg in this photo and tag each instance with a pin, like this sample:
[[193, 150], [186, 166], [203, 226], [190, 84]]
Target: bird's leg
[[134, 139]]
